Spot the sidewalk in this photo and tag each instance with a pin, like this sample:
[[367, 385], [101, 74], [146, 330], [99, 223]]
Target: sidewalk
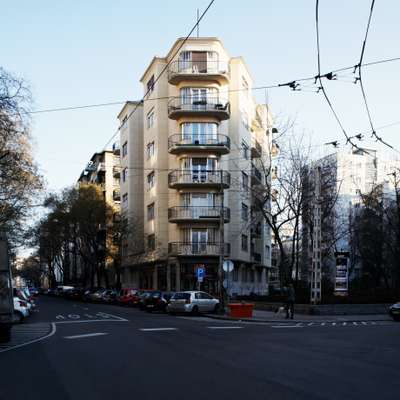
[[271, 317]]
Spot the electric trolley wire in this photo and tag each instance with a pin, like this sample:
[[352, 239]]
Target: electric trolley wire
[[263, 87]]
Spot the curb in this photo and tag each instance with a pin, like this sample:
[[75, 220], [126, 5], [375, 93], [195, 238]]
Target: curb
[[290, 321]]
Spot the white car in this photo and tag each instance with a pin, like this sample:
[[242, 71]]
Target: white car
[[193, 302], [21, 309]]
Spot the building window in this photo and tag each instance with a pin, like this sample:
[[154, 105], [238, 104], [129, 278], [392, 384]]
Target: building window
[[245, 181], [124, 149], [151, 180], [235, 274], [245, 244], [151, 242], [245, 150], [150, 84], [245, 86], [150, 212], [245, 212], [124, 174], [150, 118], [267, 251], [251, 275], [150, 150], [125, 197]]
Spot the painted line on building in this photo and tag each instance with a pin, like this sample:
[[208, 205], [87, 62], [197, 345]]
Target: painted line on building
[[52, 332], [224, 327], [86, 335], [157, 329]]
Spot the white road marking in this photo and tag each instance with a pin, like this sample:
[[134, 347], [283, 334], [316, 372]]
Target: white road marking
[[225, 327], [85, 335], [52, 332], [286, 326], [323, 324], [157, 329], [355, 323], [333, 323], [373, 323], [90, 320], [364, 323], [74, 316], [311, 323], [60, 317], [344, 323]]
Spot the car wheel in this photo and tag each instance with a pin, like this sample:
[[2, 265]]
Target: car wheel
[[18, 317], [396, 318], [195, 310], [216, 309], [171, 313]]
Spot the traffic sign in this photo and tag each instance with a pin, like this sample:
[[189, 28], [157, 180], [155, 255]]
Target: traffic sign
[[200, 272], [227, 266]]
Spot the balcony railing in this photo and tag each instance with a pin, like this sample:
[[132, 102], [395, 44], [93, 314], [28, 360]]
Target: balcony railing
[[256, 257], [116, 195], [181, 142], [256, 173], [256, 149], [202, 70], [197, 213], [195, 106], [198, 249], [116, 170], [205, 178]]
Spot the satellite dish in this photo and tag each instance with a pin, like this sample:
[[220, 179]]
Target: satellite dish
[[228, 266]]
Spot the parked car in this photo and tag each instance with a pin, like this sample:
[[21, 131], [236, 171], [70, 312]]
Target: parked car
[[109, 296], [34, 291], [157, 301], [21, 309], [143, 298], [193, 302], [97, 295], [129, 296], [75, 294], [21, 294], [394, 311], [62, 289]]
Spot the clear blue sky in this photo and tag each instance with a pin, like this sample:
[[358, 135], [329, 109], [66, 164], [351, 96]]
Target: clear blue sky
[[82, 52]]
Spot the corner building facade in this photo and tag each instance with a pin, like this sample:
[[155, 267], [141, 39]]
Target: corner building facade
[[196, 161]]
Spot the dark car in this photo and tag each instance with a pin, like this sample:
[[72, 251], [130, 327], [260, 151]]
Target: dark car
[[75, 294], [143, 297], [157, 301], [394, 311], [109, 296]]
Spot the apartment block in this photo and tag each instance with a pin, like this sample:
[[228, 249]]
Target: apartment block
[[103, 170], [195, 153]]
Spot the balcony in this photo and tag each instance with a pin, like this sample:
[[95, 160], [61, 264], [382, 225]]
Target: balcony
[[101, 167], [116, 171], [256, 175], [216, 71], [193, 106], [256, 149], [195, 249], [209, 178], [116, 148], [255, 257], [116, 195], [216, 143], [197, 214]]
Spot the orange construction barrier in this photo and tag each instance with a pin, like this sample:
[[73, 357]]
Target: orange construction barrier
[[240, 310]]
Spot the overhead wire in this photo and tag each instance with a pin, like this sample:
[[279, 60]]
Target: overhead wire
[[151, 87]]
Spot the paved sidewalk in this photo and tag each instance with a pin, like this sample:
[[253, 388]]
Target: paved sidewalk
[[269, 316]]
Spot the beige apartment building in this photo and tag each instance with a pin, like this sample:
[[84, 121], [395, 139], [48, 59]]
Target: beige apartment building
[[104, 170], [192, 155]]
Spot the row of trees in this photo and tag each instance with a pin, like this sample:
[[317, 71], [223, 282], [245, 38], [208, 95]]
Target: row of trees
[[79, 240], [375, 237]]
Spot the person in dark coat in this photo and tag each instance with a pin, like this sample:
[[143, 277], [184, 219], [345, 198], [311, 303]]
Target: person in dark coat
[[290, 300]]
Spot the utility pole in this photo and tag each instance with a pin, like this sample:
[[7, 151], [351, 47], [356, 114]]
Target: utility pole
[[316, 275], [221, 244]]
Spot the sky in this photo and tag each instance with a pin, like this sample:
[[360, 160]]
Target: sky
[[74, 53]]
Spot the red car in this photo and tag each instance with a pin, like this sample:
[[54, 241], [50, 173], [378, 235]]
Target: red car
[[129, 297]]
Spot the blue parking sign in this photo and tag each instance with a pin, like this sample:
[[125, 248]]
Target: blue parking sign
[[200, 272]]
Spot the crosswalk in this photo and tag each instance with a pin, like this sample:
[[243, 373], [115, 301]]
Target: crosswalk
[[334, 324], [26, 333]]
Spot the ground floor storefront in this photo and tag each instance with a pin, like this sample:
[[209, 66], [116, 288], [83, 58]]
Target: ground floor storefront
[[181, 274]]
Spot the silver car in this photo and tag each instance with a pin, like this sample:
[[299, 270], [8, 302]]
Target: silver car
[[193, 302]]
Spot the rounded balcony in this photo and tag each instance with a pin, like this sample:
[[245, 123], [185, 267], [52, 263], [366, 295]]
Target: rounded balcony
[[193, 106], [198, 214], [193, 249], [178, 179], [214, 71], [184, 143]]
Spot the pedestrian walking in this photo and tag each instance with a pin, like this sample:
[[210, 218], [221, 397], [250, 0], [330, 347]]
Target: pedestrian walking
[[290, 300]]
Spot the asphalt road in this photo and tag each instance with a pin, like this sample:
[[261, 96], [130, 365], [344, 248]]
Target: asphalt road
[[107, 352]]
